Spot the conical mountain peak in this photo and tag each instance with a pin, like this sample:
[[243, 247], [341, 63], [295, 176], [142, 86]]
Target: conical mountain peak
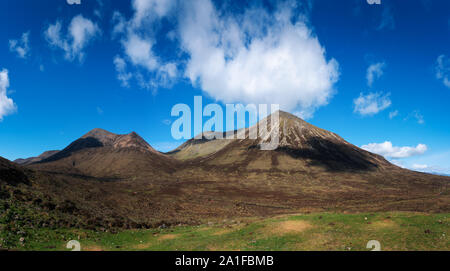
[[106, 138], [99, 138], [292, 131], [132, 140]]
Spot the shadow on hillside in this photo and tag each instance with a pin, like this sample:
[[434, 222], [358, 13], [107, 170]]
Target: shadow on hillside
[[335, 157], [82, 143]]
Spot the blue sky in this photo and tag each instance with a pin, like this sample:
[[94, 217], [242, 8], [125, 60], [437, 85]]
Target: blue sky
[[378, 75]]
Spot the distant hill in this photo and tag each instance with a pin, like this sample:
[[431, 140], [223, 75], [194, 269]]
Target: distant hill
[[32, 160], [438, 173]]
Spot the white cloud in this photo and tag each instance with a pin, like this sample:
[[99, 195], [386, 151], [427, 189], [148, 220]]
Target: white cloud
[[121, 69], [21, 47], [393, 114], [120, 24], [79, 33], [417, 116], [72, 2], [371, 103], [374, 71], [82, 30], [435, 163], [419, 166], [140, 53], [256, 58], [151, 9], [431, 169], [397, 163], [443, 69], [387, 150], [137, 36], [7, 105], [304, 114]]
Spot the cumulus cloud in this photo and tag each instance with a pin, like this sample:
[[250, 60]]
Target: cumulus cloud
[[371, 104], [374, 71], [21, 46], [387, 150], [7, 105], [79, 33], [256, 58], [137, 36], [443, 69]]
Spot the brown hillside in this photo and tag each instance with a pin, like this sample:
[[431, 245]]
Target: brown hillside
[[119, 180], [300, 144], [102, 154], [32, 160]]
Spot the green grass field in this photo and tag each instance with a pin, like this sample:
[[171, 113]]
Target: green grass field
[[322, 231]]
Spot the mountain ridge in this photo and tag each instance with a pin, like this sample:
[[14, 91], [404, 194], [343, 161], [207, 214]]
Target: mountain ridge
[[31, 160], [100, 153], [107, 179], [297, 138]]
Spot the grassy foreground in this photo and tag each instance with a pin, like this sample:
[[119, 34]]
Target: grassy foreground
[[322, 231]]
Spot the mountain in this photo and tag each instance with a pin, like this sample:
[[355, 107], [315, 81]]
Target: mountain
[[108, 180], [100, 153], [311, 168], [301, 145], [194, 148], [32, 160]]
